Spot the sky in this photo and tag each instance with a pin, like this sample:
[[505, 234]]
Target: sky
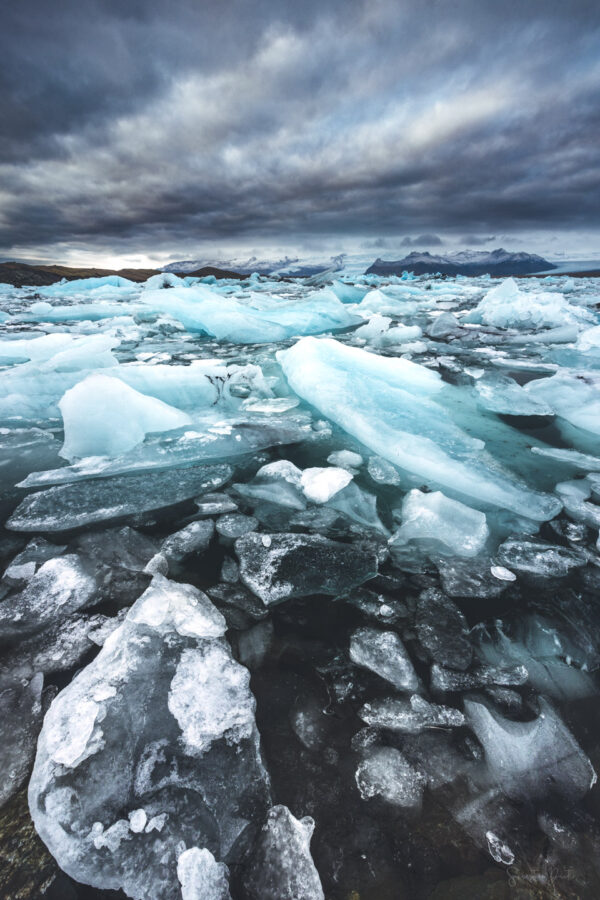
[[138, 132]]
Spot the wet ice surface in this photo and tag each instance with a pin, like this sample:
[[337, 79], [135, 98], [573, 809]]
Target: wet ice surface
[[302, 581]]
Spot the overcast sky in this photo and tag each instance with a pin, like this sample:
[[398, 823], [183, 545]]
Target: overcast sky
[[150, 130]]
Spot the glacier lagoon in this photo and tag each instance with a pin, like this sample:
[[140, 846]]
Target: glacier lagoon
[[300, 592]]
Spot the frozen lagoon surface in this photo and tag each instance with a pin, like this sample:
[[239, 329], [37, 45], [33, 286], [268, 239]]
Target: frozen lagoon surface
[[301, 588]]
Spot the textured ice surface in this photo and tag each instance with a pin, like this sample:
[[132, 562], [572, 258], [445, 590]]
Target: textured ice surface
[[162, 721], [442, 630], [21, 713], [386, 774], [437, 521], [201, 876], [278, 567], [385, 403], [574, 396], [104, 417], [282, 867], [74, 505], [383, 653]]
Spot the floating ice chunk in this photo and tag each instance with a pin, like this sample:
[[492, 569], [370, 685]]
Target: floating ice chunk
[[382, 471], [574, 396], [503, 395], [125, 735], [320, 485], [448, 680], [442, 630], [385, 773], [282, 867], [444, 326], [573, 495], [71, 506], [569, 457], [194, 538], [499, 851], [104, 417], [531, 759], [38, 348], [201, 876], [163, 280], [349, 293], [385, 404], [537, 558], [59, 588], [505, 306], [383, 653], [199, 308], [234, 525], [347, 459], [468, 577], [436, 519], [281, 566], [83, 285], [359, 506], [278, 482], [589, 340], [411, 716]]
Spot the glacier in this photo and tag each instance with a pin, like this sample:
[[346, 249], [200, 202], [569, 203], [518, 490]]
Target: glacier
[[299, 587]]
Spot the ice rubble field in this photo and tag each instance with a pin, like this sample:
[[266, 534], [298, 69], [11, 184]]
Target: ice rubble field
[[301, 586]]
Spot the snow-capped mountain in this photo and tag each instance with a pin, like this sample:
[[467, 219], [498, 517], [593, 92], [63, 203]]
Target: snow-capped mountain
[[463, 262]]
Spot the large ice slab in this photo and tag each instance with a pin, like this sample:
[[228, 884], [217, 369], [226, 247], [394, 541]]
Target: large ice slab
[[82, 503], [152, 749], [199, 308], [385, 403]]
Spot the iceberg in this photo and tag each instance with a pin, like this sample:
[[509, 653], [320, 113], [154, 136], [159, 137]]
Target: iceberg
[[201, 309], [386, 404], [104, 417], [505, 306]]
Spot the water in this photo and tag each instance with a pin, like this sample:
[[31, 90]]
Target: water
[[485, 593]]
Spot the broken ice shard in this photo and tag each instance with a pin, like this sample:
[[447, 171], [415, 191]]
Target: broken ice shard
[[150, 750]]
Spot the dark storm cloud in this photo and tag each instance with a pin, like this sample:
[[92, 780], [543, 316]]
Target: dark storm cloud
[[152, 124], [423, 240]]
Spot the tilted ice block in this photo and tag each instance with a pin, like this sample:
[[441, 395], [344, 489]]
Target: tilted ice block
[[199, 308], [438, 520], [104, 417], [151, 749], [505, 306], [385, 404], [531, 759], [59, 588], [383, 653], [321, 484], [349, 293], [501, 394], [574, 396], [282, 867], [85, 502], [37, 348]]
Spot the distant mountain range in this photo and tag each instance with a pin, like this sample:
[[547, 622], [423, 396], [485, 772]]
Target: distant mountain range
[[463, 262], [290, 266]]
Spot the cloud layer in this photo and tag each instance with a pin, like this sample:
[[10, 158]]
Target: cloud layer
[[157, 127]]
